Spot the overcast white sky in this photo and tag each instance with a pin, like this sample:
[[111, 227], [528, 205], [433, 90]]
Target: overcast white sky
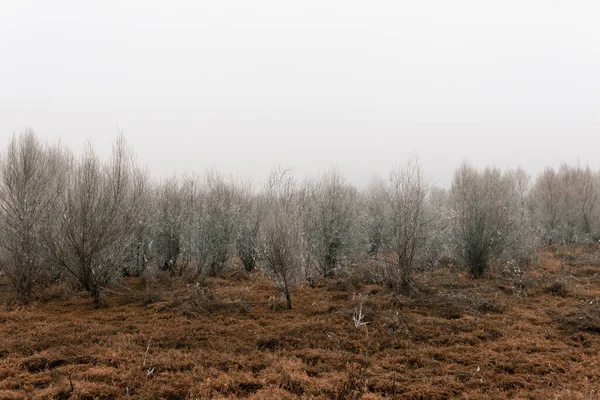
[[243, 85]]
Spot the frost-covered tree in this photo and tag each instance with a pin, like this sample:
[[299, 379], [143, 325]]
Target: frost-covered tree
[[565, 203], [215, 223], [98, 215], [438, 231], [586, 201], [169, 220], [487, 216], [329, 211], [548, 204], [406, 219], [280, 234], [29, 175], [373, 218], [139, 253], [190, 195], [527, 235], [248, 217]]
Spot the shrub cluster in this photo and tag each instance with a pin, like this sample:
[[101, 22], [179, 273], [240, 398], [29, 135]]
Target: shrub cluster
[[89, 222]]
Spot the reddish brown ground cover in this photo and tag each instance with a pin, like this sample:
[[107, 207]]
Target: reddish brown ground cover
[[535, 336]]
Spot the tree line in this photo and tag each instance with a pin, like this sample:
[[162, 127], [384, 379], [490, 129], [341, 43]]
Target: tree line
[[90, 222]]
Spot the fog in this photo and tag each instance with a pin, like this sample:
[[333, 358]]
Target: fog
[[244, 86]]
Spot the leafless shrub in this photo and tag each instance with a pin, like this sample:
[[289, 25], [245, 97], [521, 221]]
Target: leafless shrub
[[488, 219], [437, 249], [280, 234], [328, 215], [99, 212], [215, 224], [190, 193], [358, 317], [372, 215], [248, 217], [169, 222], [406, 218], [29, 175], [565, 204]]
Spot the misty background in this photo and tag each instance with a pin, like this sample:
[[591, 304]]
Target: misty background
[[245, 86]]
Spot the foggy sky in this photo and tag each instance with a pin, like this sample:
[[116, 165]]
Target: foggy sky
[[243, 86]]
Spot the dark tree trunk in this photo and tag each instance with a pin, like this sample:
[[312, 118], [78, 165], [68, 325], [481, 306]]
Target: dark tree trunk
[[331, 258]]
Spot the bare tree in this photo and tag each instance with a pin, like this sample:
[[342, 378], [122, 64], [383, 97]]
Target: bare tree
[[248, 217], [547, 199], [527, 236], [438, 226], [406, 216], [139, 252], [99, 213], [373, 217], [587, 194], [565, 203], [280, 255], [28, 178], [169, 224], [487, 216], [190, 194], [329, 211], [580, 189], [215, 224]]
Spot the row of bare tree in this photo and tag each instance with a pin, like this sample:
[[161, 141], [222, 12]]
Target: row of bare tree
[[89, 222], [66, 217]]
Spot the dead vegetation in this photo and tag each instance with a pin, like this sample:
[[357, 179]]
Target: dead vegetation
[[231, 336]]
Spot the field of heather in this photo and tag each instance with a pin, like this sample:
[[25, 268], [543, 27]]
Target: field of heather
[[529, 335]]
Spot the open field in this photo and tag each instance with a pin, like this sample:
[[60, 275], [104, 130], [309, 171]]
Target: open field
[[533, 336]]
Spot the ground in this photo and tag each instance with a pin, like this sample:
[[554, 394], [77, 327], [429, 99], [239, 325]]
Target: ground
[[531, 334]]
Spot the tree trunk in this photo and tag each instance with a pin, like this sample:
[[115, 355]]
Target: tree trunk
[[288, 299]]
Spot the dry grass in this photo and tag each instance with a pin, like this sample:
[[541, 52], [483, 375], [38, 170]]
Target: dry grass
[[535, 337]]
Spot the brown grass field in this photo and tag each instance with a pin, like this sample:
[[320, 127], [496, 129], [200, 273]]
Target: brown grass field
[[533, 336]]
